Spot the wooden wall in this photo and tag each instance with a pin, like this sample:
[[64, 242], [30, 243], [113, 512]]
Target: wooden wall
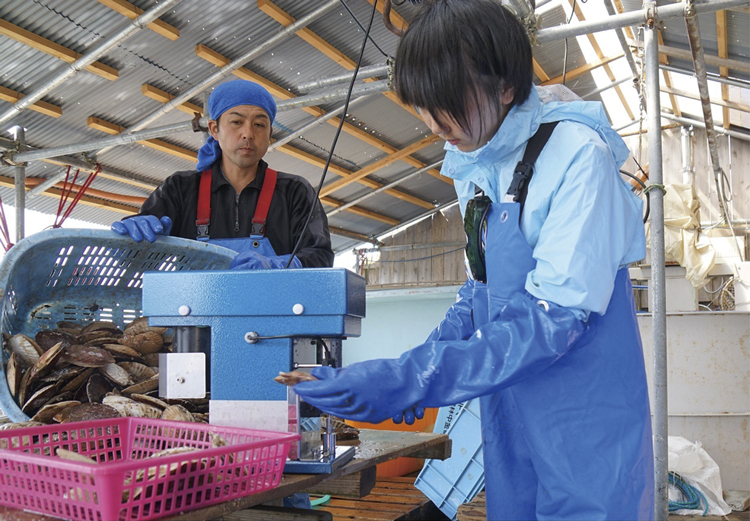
[[422, 266]]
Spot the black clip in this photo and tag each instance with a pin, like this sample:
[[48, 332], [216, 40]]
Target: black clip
[[521, 177], [202, 231]]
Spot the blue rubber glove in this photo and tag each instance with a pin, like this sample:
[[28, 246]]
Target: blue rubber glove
[[143, 227], [252, 260], [522, 341], [409, 415]]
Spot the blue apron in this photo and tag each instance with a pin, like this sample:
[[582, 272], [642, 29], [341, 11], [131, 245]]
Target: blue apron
[[574, 441], [257, 240]]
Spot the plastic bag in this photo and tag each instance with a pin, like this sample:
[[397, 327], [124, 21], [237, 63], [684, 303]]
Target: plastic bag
[[697, 469]]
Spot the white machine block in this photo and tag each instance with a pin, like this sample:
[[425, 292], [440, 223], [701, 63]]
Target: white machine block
[[267, 415]]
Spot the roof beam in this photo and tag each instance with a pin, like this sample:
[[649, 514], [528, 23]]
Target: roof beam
[[127, 9], [668, 77], [583, 69], [600, 55], [377, 165], [360, 211], [48, 109], [721, 35], [96, 202], [684, 54], [726, 104], [161, 96], [315, 160], [53, 49], [157, 144], [342, 59]]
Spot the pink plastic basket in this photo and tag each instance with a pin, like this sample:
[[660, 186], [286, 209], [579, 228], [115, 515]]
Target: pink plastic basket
[[126, 484]]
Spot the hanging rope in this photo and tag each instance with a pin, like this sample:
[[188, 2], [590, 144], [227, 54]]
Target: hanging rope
[[67, 189], [4, 234]]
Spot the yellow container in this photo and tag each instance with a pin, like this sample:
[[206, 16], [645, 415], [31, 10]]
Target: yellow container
[[400, 466]]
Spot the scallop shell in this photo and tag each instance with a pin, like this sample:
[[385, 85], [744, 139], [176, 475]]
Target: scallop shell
[[84, 338], [151, 360], [88, 356], [177, 413], [89, 411], [39, 398], [117, 375], [73, 326], [27, 350], [19, 425], [62, 374], [139, 372], [143, 387], [122, 351], [49, 337], [140, 325], [100, 325], [127, 407], [97, 387], [145, 343], [102, 341], [49, 411], [159, 404], [13, 374], [74, 456], [79, 380], [46, 362]]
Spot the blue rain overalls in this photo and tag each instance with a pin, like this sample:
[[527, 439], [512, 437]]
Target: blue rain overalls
[[256, 241], [574, 441]]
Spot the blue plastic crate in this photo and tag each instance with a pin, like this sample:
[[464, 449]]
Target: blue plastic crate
[[450, 483], [85, 275]]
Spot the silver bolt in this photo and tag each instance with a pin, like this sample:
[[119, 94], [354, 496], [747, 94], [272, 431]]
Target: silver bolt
[[184, 310], [251, 337], [180, 380]]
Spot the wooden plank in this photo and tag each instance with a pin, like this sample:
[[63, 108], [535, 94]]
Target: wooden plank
[[53, 49], [583, 69], [378, 502], [42, 107], [361, 514], [269, 513], [127, 9], [355, 485], [161, 96]]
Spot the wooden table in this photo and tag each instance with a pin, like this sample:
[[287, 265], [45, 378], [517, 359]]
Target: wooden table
[[355, 479]]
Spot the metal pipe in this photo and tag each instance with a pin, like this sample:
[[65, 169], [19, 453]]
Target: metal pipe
[[119, 139], [687, 155], [48, 183], [383, 188], [316, 122], [88, 58], [20, 186], [563, 31], [283, 34], [696, 48], [364, 72], [337, 95], [711, 77], [607, 87], [625, 48], [696, 123], [658, 296]]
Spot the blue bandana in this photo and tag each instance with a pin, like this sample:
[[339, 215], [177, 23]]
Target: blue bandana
[[223, 98]]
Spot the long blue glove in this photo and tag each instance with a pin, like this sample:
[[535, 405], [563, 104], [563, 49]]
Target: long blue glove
[[143, 227], [522, 341], [252, 260]]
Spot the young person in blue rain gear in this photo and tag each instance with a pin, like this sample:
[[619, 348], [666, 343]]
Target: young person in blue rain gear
[[234, 199], [544, 331]]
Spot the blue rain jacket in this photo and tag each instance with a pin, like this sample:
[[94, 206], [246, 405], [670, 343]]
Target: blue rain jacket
[[565, 415]]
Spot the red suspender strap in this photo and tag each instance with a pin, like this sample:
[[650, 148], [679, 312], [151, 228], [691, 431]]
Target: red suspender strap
[[264, 203], [204, 206]]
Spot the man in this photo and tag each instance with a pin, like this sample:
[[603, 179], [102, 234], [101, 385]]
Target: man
[[234, 199], [544, 332]]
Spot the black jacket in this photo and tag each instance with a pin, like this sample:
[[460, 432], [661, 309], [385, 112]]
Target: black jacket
[[231, 214]]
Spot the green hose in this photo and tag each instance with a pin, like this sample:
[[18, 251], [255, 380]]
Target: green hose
[[320, 501]]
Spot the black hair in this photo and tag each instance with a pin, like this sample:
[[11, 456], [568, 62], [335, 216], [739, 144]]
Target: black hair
[[457, 50]]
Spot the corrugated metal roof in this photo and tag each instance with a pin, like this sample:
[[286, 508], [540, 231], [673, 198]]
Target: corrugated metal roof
[[232, 28]]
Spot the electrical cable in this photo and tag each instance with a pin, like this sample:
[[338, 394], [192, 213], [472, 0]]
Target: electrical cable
[[362, 27], [645, 188], [335, 137], [565, 55]]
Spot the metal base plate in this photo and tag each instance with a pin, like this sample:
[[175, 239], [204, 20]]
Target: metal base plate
[[323, 466]]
